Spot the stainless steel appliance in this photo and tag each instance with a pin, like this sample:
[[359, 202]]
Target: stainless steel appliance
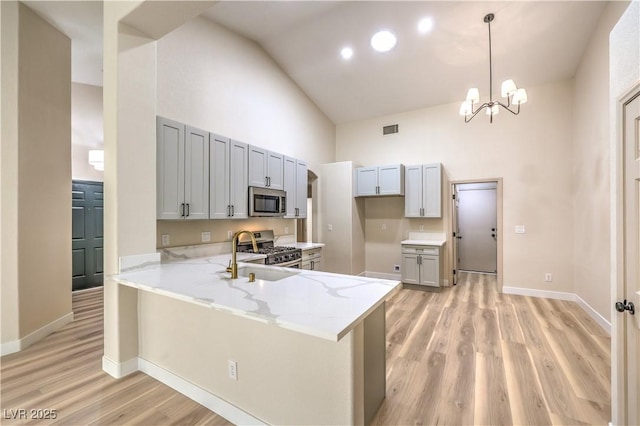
[[289, 257], [267, 202]]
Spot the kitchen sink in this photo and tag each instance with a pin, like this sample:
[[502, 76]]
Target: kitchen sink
[[265, 274]]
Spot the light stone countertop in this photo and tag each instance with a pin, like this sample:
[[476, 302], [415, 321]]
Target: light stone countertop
[[425, 239], [308, 246], [316, 303]]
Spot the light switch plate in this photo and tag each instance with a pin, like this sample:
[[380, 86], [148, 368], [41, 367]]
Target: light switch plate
[[520, 229]]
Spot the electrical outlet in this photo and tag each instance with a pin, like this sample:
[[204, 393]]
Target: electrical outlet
[[233, 370], [165, 240], [384, 226], [520, 229], [229, 235], [396, 268], [286, 229], [421, 227], [206, 236], [548, 277]]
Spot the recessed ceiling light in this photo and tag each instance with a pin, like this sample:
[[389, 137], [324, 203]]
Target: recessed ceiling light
[[383, 41], [346, 52], [425, 25]]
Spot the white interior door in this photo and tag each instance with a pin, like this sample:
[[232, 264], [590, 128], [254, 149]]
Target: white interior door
[[627, 325], [477, 227]]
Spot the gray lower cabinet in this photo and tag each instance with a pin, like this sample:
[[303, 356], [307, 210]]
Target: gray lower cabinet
[[182, 171], [295, 184], [423, 190], [421, 265], [228, 182], [312, 259]]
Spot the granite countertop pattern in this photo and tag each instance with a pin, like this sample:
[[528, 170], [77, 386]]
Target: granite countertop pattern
[[307, 246], [315, 303]]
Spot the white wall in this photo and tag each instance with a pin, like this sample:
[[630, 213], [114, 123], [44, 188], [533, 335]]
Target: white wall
[[216, 80], [591, 168], [86, 130], [36, 177], [532, 152]]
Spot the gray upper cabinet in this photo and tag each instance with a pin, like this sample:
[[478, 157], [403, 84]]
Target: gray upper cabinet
[[182, 171], [266, 168], [228, 183], [423, 191], [295, 183], [379, 180]]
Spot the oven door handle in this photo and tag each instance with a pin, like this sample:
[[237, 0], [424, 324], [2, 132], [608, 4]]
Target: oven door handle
[[290, 264]]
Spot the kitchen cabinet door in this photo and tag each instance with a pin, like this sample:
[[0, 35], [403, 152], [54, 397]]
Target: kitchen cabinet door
[[423, 191], [266, 168], [413, 191], [429, 270], [219, 177], [366, 181], [380, 180], [169, 169], [275, 170], [229, 176], [238, 180], [432, 187], [182, 171], [410, 269], [391, 180], [295, 183], [196, 174], [302, 181], [258, 167], [290, 186]]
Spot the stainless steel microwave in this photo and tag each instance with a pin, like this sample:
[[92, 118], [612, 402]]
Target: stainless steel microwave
[[267, 202]]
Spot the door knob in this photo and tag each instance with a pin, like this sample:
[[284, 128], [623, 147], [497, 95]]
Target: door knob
[[626, 306]]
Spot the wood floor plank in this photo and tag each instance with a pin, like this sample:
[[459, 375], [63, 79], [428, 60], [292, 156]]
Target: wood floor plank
[[491, 397], [527, 403]]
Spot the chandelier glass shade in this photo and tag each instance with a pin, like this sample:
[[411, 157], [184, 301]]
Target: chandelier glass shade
[[513, 95]]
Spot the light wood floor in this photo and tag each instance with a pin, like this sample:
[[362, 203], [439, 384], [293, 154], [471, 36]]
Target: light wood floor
[[466, 355]]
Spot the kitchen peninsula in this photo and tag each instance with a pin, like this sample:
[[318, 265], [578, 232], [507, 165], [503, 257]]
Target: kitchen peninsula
[[305, 347]]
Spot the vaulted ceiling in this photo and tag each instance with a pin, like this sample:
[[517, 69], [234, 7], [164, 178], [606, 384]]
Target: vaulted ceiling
[[534, 42]]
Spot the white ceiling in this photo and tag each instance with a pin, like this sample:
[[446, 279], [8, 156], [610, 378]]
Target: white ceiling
[[534, 42]]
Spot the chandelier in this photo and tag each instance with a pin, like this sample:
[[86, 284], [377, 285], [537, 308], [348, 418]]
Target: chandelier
[[515, 97]]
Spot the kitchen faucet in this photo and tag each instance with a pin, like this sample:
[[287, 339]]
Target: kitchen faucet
[[233, 267]]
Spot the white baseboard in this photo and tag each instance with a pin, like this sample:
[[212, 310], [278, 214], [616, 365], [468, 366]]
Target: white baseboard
[[595, 315], [547, 294], [119, 369], [558, 295], [203, 397], [31, 338]]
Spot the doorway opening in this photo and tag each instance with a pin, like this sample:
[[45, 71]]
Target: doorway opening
[[476, 224], [305, 227]]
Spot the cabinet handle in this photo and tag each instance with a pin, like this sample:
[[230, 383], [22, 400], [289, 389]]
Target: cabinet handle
[[228, 210], [182, 210], [419, 260], [188, 210], [313, 266], [233, 210]]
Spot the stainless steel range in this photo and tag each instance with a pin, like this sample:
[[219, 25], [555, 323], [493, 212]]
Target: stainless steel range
[[289, 257]]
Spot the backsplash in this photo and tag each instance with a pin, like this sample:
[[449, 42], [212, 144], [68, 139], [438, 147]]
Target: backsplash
[[189, 232]]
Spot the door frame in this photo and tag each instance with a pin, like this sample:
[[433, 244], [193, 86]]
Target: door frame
[[619, 376], [453, 256]]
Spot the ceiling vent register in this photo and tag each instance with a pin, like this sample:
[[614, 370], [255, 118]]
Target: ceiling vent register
[[390, 129]]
